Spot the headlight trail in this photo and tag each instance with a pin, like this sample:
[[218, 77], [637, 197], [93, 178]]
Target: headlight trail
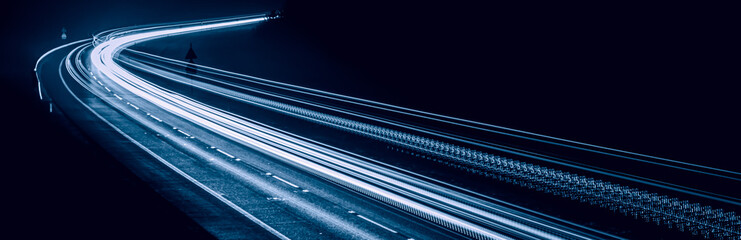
[[346, 124], [529, 175], [103, 61], [226, 142]]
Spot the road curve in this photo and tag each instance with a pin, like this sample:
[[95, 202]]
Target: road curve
[[293, 187]]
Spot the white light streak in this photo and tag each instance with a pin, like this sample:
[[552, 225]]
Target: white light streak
[[349, 171]]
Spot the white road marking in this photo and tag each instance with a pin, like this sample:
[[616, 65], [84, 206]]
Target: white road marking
[[222, 152], [184, 133], [287, 182], [155, 118], [377, 224]]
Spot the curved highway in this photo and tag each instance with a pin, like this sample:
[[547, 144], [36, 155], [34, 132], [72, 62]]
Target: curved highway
[[251, 158]]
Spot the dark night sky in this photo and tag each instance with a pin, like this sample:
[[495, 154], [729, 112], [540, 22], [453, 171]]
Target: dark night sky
[[648, 78]]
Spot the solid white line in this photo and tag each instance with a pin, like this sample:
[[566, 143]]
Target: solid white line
[[377, 224], [287, 182]]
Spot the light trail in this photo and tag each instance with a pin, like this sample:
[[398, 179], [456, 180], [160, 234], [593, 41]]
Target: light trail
[[283, 146], [463, 122], [462, 211], [216, 161], [388, 135], [362, 129], [36, 66], [463, 155], [165, 162]]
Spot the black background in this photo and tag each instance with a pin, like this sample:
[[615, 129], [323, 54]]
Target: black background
[[655, 79]]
